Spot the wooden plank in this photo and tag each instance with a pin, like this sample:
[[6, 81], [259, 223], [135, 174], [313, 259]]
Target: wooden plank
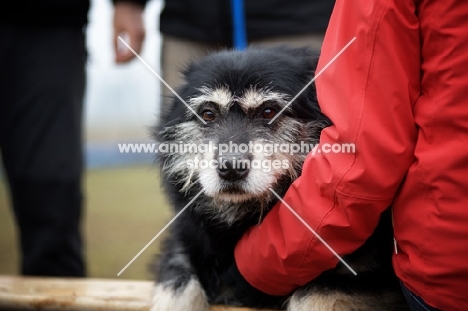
[[69, 294]]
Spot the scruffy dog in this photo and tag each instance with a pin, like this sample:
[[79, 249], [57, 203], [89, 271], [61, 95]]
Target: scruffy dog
[[220, 163]]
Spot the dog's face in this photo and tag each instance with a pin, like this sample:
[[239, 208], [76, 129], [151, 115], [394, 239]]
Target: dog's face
[[243, 132]]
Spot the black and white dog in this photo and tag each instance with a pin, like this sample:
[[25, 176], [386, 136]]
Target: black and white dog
[[233, 96]]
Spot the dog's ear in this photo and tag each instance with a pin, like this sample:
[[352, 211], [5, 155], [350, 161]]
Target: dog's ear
[[308, 58], [174, 111], [188, 68]]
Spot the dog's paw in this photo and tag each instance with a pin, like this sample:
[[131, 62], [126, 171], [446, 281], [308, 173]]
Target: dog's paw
[[189, 297], [331, 301]]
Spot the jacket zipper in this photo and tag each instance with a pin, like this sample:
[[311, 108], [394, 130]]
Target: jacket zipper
[[395, 244]]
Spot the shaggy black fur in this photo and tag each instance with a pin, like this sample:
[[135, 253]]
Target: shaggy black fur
[[201, 241]]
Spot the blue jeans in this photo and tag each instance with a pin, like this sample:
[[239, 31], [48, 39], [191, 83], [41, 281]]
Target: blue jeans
[[415, 303]]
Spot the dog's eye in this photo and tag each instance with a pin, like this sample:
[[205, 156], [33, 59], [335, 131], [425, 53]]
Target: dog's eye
[[268, 113], [208, 115]]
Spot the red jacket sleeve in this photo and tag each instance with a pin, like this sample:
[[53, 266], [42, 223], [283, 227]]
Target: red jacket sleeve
[[368, 93]]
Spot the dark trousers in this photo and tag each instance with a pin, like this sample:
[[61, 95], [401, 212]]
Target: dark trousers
[[415, 303], [42, 81]]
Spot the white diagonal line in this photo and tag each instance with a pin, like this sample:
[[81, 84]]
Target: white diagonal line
[[313, 231], [313, 79], [162, 80], [160, 232]]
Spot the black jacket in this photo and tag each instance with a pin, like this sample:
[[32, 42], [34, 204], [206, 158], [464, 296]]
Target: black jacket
[[44, 13], [210, 20]]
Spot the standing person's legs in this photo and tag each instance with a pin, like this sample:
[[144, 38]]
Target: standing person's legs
[[415, 303], [42, 73]]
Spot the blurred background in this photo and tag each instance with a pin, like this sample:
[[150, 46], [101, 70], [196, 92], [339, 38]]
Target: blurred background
[[124, 205]]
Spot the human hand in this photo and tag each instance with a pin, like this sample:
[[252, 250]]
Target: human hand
[[128, 20]]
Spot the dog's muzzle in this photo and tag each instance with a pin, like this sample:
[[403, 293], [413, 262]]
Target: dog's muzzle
[[233, 167]]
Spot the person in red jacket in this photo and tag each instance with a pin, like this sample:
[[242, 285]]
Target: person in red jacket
[[400, 94]]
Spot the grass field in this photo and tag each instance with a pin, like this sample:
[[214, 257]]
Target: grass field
[[124, 210]]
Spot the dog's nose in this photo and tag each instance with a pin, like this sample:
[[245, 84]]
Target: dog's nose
[[233, 166]]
